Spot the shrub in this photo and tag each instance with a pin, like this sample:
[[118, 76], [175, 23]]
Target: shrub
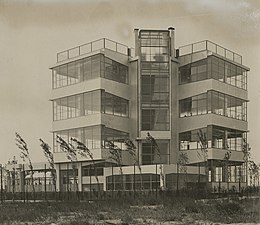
[[127, 218], [229, 208]]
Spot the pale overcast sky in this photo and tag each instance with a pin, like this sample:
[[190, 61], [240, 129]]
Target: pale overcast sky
[[32, 32]]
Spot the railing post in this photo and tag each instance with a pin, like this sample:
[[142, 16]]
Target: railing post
[[199, 180], [45, 182], [1, 183], [134, 181], [24, 185], [68, 181], [156, 180], [14, 184], [90, 182], [177, 180], [113, 182]]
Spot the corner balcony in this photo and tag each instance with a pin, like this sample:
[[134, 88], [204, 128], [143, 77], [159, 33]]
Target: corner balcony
[[93, 46], [204, 120], [195, 155]]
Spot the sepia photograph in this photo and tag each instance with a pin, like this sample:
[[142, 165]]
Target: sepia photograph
[[139, 112]]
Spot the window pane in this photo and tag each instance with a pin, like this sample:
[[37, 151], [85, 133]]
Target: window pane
[[96, 101], [87, 103], [87, 68], [64, 108], [71, 106]]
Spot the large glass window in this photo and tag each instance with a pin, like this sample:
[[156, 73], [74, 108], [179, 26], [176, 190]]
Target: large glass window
[[89, 68], [155, 84], [154, 46], [230, 173], [133, 182], [96, 170], [60, 76], [155, 119], [89, 103], [151, 156], [77, 105], [215, 68], [214, 102], [114, 105], [115, 71], [116, 136], [155, 90], [91, 136], [217, 137], [190, 139], [196, 105]]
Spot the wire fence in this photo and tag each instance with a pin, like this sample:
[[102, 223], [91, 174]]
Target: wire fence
[[94, 195]]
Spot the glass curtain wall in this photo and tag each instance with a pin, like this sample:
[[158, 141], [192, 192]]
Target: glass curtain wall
[[214, 102], [230, 173], [151, 156], [93, 137], [215, 68], [217, 137], [89, 103], [97, 170], [89, 68], [133, 182], [155, 80], [114, 105], [115, 136]]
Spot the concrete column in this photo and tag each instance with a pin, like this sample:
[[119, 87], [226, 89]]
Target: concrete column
[[213, 172], [225, 173], [225, 140], [140, 152], [57, 168], [20, 180], [172, 41], [137, 43], [174, 112], [79, 176]]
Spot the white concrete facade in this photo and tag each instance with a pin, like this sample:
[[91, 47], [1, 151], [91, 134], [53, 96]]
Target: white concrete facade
[[165, 99]]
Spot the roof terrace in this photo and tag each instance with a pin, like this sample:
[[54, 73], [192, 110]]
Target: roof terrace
[[212, 47], [102, 43]]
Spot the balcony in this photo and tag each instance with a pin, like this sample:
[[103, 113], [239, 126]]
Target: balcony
[[211, 47], [102, 43], [196, 156]]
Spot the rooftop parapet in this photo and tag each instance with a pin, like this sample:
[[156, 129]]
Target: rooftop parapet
[[102, 43], [212, 47]]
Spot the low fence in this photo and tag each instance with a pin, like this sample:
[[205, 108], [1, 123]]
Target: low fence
[[108, 195]]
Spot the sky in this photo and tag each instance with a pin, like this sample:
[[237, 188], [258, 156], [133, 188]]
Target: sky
[[32, 32]]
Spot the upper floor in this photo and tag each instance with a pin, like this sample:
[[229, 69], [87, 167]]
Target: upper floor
[[207, 60]]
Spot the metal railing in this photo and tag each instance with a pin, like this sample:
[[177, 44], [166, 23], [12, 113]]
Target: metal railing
[[102, 43], [212, 47]]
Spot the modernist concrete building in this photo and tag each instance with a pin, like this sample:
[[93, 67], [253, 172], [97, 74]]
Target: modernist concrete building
[[191, 99]]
